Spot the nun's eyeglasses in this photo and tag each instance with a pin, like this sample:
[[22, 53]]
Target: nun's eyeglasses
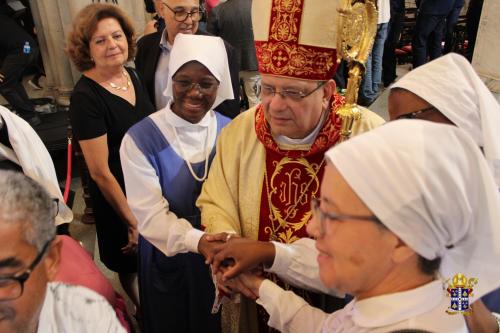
[[416, 114], [323, 216], [184, 86], [181, 15]]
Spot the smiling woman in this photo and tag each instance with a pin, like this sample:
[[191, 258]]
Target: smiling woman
[[165, 160], [106, 101], [195, 89]]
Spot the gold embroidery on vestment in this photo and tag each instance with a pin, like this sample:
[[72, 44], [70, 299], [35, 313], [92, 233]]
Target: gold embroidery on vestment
[[291, 193]]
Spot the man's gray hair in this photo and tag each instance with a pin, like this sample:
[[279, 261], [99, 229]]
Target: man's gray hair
[[24, 201]]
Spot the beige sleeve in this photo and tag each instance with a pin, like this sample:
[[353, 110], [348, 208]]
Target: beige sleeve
[[230, 197], [219, 198], [369, 120]]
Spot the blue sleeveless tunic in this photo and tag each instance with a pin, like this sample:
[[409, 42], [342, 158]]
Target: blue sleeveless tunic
[[176, 293]]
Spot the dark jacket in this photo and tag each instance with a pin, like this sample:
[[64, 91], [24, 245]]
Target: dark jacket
[[397, 6], [232, 21], [13, 37], [148, 53], [436, 7]]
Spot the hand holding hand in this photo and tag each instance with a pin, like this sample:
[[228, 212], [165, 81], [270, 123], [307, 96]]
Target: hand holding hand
[[210, 245], [247, 284], [246, 255]]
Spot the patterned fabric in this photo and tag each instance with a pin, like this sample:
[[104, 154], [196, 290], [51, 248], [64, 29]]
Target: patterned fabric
[[284, 55]]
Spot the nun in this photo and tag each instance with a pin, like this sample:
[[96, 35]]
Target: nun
[[165, 160], [399, 217]]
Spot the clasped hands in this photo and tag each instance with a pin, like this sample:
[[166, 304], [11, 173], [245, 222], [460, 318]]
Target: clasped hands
[[237, 262]]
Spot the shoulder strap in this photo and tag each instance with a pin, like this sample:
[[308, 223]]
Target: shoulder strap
[[135, 74], [139, 82]]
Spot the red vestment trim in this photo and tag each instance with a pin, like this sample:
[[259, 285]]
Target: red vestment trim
[[282, 54], [292, 178]]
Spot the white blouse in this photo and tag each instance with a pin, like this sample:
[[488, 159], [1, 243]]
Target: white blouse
[[421, 308]]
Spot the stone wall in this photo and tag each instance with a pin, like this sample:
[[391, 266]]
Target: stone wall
[[486, 53]]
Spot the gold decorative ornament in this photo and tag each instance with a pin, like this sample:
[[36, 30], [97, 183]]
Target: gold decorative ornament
[[282, 222], [357, 27]]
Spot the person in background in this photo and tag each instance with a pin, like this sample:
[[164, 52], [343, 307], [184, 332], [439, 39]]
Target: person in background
[[150, 7], [371, 84], [157, 23], [153, 52], [429, 29], [107, 100], [19, 51], [421, 94], [389, 61], [451, 23], [30, 302], [210, 4], [232, 21]]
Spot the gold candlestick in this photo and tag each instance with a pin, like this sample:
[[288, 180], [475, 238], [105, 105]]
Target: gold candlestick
[[356, 32]]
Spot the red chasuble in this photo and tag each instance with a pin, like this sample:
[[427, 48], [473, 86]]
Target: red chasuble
[[292, 178]]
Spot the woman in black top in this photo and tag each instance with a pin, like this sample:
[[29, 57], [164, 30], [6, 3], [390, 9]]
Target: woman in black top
[[106, 101]]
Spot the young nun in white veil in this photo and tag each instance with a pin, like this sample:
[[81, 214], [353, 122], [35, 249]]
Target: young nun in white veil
[[165, 159], [399, 213]]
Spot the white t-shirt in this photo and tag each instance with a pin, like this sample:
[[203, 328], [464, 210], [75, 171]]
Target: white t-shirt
[[384, 11], [76, 309]]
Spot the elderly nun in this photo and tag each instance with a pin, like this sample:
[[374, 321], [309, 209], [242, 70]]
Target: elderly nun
[[398, 215], [165, 160]]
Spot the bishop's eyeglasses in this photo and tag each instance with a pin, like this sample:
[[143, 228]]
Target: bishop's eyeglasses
[[265, 91]]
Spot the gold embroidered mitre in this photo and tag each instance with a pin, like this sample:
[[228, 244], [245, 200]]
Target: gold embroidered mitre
[[296, 38]]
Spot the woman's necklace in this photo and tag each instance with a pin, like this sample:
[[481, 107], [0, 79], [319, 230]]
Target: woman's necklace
[[183, 154], [125, 87]]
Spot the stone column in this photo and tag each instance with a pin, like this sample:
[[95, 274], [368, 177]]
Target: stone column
[[487, 49]]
